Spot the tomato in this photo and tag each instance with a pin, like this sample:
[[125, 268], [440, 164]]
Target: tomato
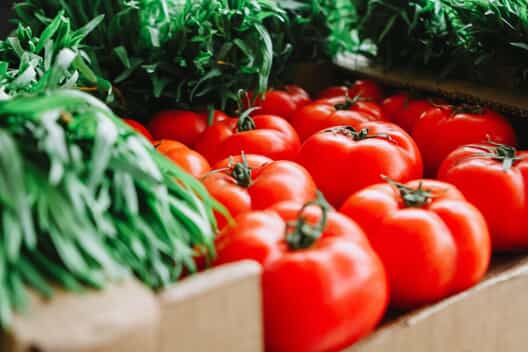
[[266, 135], [323, 286], [334, 91], [139, 128], [282, 103], [368, 108], [251, 183], [443, 129], [363, 88], [405, 111], [189, 160], [318, 116], [344, 159], [183, 126], [494, 178], [432, 242]]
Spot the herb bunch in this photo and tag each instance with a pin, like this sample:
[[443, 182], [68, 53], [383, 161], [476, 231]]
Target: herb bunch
[[30, 64], [198, 52], [477, 40], [85, 200]]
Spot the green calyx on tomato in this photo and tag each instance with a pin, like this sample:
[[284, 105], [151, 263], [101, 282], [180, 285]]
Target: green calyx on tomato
[[241, 172], [300, 234], [350, 102], [500, 152], [412, 197], [245, 122], [350, 131]]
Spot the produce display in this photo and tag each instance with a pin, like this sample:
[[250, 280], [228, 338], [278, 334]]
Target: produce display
[[158, 138]]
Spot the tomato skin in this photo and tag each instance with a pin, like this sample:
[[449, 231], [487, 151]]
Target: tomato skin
[[139, 128], [501, 195], [441, 130], [188, 159], [277, 102], [429, 252], [183, 126], [273, 137], [298, 94], [404, 111], [272, 182], [302, 310], [363, 88], [334, 91], [316, 117], [341, 165]]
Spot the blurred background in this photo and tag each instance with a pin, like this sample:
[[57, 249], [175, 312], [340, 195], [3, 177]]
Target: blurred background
[[5, 7]]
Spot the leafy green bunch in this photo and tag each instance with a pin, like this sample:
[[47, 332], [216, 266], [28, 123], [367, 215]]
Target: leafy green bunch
[[191, 52], [479, 40], [198, 52], [85, 200], [55, 58]]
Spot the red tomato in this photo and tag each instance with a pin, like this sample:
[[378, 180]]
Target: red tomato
[[318, 116], [404, 111], [266, 135], [432, 242], [182, 126], [189, 160], [282, 103], [323, 286], [334, 91], [252, 183], [299, 95], [363, 88], [139, 128], [368, 108], [443, 129], [343, 159], [494, 178]]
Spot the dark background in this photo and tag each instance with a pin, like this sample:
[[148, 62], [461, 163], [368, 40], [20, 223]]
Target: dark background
[[5, 7]]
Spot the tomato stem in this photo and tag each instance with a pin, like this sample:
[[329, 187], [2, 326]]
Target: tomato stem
[[350, 131], [300, 234], [500, 152], [412, 197], [245, 122]]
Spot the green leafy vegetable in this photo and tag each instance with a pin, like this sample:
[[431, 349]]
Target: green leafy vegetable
[[478, 40], [85, 200], [198, 52]]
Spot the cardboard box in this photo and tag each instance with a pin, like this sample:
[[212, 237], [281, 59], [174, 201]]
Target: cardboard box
[[122, 318], [490, 317], [217, 310]]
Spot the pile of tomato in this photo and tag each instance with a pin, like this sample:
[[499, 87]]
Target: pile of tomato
[[354, 202]]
